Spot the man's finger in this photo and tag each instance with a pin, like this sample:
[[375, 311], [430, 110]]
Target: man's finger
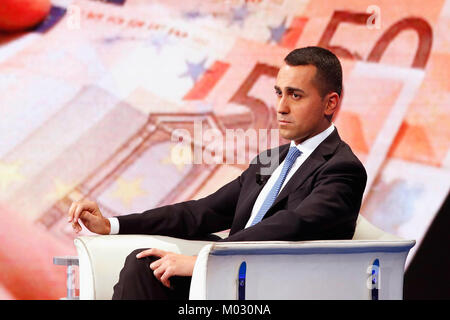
[[163, 273], [166, 276], [71, 210], [158, 272], [151, 252], [85, 217], [89, 205], [79, 209], [144, 253], [155, 265], [76, 227], [78, 212], [75, 224]]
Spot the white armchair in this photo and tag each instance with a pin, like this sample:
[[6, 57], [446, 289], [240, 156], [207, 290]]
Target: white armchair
[[334, 269]]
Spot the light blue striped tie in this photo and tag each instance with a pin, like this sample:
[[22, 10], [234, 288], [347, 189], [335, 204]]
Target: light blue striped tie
[[292, 155]]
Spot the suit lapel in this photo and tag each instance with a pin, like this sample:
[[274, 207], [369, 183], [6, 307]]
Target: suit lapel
[[246, 209], [314, 161]]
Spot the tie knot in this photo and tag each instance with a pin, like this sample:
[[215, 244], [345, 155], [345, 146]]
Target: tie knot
[[293, 154]]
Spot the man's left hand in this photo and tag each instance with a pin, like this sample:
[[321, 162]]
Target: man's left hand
[[170, 264]]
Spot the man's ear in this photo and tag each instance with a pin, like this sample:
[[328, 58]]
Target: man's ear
[[331, 104]]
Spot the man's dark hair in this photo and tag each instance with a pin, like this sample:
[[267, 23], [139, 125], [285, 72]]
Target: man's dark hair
[[328, 76]]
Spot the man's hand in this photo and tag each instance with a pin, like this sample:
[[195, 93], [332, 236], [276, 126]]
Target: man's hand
[[88, 212], [170, 264]]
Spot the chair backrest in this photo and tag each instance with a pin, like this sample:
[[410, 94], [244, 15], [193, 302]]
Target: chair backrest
[[367, 231], [364, 231]]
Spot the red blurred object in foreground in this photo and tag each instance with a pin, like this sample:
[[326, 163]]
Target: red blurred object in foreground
[[19, 15], [27, 271]]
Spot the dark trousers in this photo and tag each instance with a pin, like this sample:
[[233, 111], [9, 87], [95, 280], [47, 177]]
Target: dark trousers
[[137, 282]]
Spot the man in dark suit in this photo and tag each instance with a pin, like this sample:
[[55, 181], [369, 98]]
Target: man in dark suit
[[315, 192]]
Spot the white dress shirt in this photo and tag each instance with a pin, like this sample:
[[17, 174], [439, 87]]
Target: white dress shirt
[[306, 147]]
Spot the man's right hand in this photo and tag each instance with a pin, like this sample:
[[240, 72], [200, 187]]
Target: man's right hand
[[89, 213]]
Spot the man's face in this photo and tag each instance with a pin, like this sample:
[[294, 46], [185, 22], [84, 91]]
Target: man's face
[[300, 109]]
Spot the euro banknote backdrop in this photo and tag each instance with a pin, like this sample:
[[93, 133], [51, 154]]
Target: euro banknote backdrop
[[91, 97]]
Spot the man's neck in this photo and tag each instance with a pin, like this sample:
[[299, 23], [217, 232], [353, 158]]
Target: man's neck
[[308, 145], [319, 132]]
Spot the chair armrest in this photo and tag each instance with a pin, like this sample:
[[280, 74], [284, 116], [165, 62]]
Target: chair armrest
[[102, 257], [338, 269]]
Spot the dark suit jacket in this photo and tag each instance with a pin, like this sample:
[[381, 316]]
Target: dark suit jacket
[[320, 201]]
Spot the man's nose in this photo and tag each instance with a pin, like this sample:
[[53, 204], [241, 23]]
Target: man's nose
[[283, 106]]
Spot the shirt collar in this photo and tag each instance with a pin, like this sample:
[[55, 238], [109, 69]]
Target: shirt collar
[[310, 144]]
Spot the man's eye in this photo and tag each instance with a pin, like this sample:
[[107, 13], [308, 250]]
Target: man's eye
[[296, 96], [278, 93]]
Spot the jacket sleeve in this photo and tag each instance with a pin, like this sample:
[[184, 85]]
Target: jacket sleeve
[[328, 212], [190, 219]]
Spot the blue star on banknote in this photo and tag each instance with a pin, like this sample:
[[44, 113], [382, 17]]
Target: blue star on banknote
[[113, 39], [239, 15], [195, 70], [191, 15], [276, 33], [158, 40]]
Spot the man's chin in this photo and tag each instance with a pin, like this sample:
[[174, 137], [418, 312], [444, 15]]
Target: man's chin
[[287, 134]]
